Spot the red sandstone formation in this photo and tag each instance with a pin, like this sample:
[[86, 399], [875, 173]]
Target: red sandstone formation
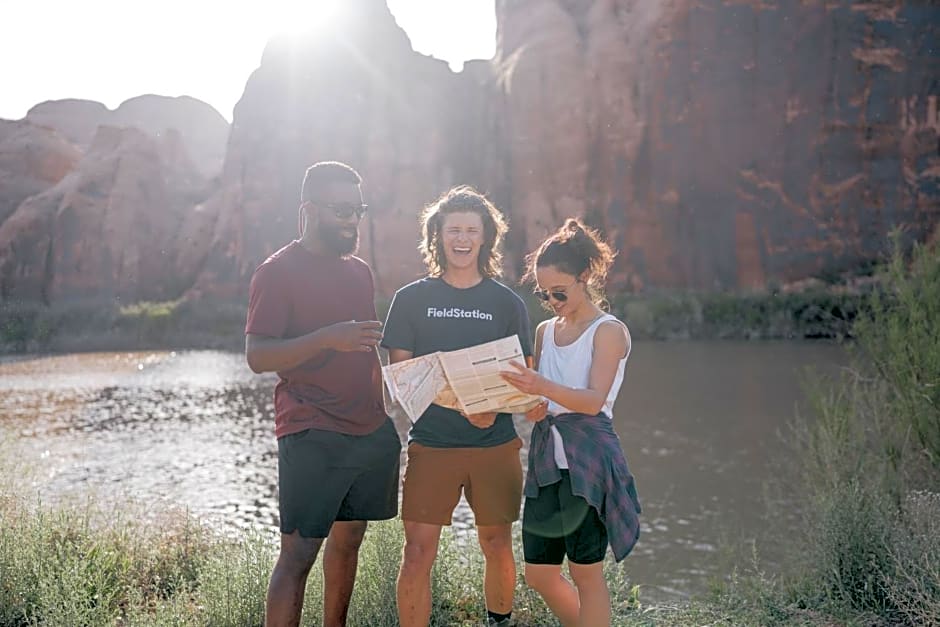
[[32, 159], [722, 144], [109, 229], [203, 130], [360, 95]]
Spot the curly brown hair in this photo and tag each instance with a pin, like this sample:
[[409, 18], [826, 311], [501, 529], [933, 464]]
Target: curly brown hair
[[463, 199]]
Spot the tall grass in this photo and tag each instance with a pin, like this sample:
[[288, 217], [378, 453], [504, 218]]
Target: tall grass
[[76, 565], [870, 460], [80, 565]]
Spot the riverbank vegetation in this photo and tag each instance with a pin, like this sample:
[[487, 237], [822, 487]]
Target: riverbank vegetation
[[817, 311], [80, 565], [870, 460]]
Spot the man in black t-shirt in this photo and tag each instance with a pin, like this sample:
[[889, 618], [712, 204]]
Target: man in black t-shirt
[[459, 304]]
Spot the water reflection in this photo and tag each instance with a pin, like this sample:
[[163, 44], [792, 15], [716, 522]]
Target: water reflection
[[703, 426], [190, 429], [699, 423]]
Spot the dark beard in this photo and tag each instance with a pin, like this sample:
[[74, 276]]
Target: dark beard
[[335, 242]]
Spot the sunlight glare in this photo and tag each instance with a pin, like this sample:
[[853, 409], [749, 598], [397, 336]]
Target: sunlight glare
[[215, 44], [453, 30], [296, 17]]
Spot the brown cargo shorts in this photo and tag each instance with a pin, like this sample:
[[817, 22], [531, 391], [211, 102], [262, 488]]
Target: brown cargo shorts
[[491, 479]]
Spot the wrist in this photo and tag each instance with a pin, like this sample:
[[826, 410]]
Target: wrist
[[321, 339], [542, 387]]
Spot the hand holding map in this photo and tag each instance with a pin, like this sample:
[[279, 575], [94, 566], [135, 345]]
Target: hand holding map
[[467, 380]]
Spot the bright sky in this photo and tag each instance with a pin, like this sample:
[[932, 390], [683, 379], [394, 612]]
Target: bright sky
[[112, 50]]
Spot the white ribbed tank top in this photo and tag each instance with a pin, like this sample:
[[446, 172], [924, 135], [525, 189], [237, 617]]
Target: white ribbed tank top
[[570, 365]]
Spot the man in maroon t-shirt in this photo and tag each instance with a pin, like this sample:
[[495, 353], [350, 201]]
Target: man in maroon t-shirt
[[311, 319]]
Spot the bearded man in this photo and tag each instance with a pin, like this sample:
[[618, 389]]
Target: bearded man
[[312, 320]]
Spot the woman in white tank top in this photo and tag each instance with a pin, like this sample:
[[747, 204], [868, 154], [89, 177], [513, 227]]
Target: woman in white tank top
[[580, 495]]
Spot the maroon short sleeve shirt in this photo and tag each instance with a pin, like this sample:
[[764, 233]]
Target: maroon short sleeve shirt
[[295, 292]]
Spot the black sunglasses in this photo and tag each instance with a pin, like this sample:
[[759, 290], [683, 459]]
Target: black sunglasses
[[344, 211], [561, 297]]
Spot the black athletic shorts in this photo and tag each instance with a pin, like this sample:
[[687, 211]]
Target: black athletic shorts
[[324, 476], [557, 523]]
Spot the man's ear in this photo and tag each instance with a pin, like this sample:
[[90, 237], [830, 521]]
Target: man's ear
[[304, 219]]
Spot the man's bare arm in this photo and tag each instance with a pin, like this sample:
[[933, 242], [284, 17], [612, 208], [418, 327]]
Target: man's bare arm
[[269, 354], [396, 355]]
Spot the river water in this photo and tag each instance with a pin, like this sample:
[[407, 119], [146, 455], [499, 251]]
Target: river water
[[702, 424]]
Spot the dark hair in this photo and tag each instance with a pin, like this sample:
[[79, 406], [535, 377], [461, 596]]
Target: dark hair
[[323, 173], [575, 249], [463, 199]]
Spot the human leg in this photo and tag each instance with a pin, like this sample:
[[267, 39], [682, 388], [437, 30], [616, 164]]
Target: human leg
[[373, 495], [494, 492], [559, 594], [285, 599], [585, 546], [499, 576], [340, 560], [593, 594], [414, 576], [308, 507], [543, 545], [430, 492]]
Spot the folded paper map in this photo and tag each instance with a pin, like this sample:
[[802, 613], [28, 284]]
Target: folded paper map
[[466, 380]]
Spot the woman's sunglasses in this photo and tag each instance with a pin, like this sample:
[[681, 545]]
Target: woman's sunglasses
[[561, 297], [544, 295]]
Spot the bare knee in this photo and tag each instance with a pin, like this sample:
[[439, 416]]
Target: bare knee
[[588, 576], [541, 576], [298, 553], [495, 542], [418, 557], [346, 537]]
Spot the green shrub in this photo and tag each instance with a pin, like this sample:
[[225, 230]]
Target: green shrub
[[913, 586], [901, 338], [870, 537], [150, 322]]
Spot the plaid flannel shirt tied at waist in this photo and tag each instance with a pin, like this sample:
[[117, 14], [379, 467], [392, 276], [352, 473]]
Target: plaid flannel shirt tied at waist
[[598, 472]]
